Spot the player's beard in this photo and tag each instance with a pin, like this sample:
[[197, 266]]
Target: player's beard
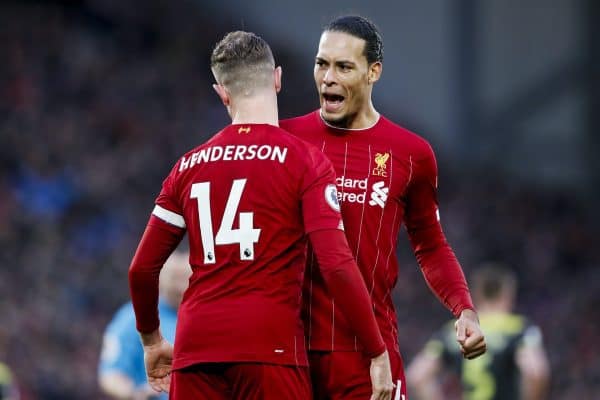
[[341, 122]]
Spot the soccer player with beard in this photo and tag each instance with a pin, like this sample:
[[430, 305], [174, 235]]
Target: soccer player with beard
[[248, 198], [386, 175]]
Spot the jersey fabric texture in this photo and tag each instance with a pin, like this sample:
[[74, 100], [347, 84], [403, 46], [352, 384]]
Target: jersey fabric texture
[[122, 349], [494, 375], [386, 176], [247, 198]]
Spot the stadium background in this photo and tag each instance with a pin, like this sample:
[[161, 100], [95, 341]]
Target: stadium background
[[99, 97]]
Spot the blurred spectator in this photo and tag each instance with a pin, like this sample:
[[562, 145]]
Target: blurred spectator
[[121, 372], [8, 388]]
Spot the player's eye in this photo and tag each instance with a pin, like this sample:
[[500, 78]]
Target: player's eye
[[319, 63]]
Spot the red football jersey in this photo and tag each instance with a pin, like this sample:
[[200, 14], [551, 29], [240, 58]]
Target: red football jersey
[[247, 197], [385, 175]]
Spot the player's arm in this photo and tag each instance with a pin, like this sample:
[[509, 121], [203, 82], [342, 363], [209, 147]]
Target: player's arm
[[121, 359], [347, 288], [158, 241], [119, 386], [438, 263], [116, 359], [342, 278], [532, 361], [423, 372]]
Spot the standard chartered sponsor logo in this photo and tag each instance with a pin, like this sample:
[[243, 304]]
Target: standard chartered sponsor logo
[[379, 194], [347, 196]]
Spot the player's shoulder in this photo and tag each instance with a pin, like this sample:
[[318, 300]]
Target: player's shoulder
[[404, 137], [300, 123], [307, 154], [299, 145], [214, 139], [184, 160]]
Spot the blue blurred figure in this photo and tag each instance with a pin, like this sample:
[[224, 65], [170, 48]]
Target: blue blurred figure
[[121, 370]]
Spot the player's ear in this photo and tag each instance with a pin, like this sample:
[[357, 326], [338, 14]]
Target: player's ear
[[375, 70], [278, 72], [222, 93]]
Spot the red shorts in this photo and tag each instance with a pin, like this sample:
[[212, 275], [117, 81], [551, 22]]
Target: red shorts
[[345, 375], [243, 381]]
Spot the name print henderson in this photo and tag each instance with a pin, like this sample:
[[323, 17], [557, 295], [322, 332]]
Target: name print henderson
[[233, 153]]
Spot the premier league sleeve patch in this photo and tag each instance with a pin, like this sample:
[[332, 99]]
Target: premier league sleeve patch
[[332, 198]]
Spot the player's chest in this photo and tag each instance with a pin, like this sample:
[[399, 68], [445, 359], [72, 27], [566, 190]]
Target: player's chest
[[371, 174]]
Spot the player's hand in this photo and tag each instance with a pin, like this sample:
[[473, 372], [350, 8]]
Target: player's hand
[[381, 377], [158, 357], [469, 335]]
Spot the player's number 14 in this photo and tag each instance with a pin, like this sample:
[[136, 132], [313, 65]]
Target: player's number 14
[[246, 235]]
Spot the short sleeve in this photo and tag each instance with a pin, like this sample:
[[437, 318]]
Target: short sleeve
[[320, 203]]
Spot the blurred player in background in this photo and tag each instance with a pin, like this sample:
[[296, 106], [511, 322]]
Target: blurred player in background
[[8, 386], [515, 365], [121, 372], [386, 175], [248, 198]]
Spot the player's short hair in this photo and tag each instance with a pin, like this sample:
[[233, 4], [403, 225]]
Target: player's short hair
[[361, 28], [242, 61], [493, 279]]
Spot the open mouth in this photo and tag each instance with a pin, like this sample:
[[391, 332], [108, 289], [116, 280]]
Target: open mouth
[[332, 102]]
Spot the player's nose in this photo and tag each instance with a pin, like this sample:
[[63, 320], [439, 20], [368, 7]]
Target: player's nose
[[329, 77]]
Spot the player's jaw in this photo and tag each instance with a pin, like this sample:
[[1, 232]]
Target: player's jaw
[[340, 108], [334, 110]]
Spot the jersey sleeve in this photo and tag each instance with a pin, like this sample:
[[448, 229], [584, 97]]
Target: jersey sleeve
[[165, 229], [438, 263], [320, 204], [167, 206]]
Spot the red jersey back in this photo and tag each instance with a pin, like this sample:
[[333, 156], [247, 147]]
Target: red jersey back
[[385, 175], [247, 197]]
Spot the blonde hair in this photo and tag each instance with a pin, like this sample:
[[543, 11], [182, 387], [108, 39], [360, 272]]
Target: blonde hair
[[241, 62]]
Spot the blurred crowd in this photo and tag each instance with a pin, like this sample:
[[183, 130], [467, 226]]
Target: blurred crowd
[[98, 99]]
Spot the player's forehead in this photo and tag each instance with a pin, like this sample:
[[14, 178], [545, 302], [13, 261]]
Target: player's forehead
[[341, 46]]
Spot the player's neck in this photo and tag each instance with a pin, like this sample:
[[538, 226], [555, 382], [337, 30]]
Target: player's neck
[[258, 109], [365, 118]]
